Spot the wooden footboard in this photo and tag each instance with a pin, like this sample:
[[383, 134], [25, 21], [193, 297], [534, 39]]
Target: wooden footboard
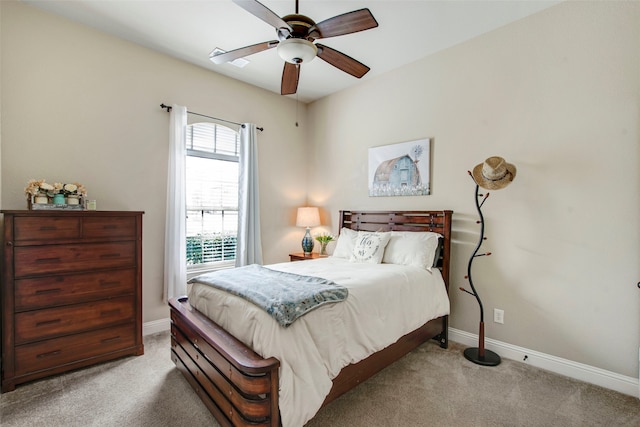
[[239, 387]]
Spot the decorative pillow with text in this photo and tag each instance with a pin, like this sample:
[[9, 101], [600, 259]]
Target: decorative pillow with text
[[369, 247]]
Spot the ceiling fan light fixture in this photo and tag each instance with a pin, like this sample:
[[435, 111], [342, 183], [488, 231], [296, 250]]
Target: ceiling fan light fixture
[[297, 51]]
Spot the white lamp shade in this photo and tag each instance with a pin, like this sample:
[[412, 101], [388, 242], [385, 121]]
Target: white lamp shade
[[297, 51], [308, 217]]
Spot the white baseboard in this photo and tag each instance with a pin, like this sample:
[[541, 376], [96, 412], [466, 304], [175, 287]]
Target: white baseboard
[[579, 371], [156, 326], [569, 368]]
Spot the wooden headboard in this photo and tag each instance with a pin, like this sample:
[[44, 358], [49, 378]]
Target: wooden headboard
[[435, 221]]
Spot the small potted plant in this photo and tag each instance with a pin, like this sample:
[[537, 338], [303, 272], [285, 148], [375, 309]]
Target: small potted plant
[[324, 239]]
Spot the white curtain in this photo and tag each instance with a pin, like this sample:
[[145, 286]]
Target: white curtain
[[249, 245], [175, 246]]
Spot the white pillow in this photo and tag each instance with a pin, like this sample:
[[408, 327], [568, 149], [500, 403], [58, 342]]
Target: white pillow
[[369, 247], [412, 248], [346, 242]]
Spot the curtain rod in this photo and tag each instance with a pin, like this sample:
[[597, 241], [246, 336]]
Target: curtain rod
[[168, 108]]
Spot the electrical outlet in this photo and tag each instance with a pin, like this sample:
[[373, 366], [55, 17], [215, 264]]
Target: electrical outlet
[[498, 315]]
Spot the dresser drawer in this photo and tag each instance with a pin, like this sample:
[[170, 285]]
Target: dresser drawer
[[59, 351], [109, 227], [33, 260], [51, 322], [46, 228], [73, 288]]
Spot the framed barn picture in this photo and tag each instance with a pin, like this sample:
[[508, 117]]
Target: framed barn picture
[[400, 169]]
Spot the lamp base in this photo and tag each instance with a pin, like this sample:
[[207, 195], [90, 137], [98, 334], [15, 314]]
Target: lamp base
[[307, 243], [490, 358]]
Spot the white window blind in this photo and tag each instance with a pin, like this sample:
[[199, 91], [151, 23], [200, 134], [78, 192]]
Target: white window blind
[[212, 195]]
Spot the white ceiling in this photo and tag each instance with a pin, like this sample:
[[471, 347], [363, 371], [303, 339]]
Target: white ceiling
[[191, 29]]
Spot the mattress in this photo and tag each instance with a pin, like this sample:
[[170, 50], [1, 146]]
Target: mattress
[[385, 302]]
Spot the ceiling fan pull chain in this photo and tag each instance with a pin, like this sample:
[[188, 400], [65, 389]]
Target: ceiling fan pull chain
[[297, 102]]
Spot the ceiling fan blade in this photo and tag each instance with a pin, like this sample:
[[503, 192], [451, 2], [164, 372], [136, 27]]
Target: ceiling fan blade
[[342, 61], [290, 77], [351, 22], [221, 58], [261, 11]]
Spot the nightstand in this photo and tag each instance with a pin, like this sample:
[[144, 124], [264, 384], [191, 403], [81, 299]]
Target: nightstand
[[300, 256]]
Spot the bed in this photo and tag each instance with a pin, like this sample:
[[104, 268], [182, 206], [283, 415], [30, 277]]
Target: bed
[[242, 388]]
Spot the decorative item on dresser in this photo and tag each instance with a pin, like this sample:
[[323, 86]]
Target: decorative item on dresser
[[71, 291], [44, 196]]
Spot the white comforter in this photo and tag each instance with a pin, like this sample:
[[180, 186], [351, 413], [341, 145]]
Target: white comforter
[[386, 301]]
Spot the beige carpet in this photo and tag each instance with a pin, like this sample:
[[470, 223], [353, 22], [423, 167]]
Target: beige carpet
[[429, 387]]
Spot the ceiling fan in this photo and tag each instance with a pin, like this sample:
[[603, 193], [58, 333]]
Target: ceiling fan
[[296, 35]]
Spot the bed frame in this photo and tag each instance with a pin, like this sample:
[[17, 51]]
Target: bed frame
[[240, 388]]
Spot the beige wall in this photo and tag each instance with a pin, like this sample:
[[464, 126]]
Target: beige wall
[[558, 94], [79, 105]]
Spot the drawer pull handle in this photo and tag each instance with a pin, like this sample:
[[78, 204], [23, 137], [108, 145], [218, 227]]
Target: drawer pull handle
[[49, 354], [109, 255], [48, 228], [48, 322], [48, 291], [110, 227], [48, 259], [112, 339], [106, 284], [109, 312]]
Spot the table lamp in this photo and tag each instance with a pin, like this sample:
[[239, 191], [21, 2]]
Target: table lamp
[[307, 217]]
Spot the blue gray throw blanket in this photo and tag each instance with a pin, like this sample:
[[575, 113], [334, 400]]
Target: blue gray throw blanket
[[285, 296]]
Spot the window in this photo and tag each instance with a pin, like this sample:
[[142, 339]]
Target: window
[[211, 196]]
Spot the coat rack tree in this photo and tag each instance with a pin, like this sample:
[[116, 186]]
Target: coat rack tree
[[493, 174]]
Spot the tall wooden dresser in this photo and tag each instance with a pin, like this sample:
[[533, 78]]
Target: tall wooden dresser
[[71, 291]]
